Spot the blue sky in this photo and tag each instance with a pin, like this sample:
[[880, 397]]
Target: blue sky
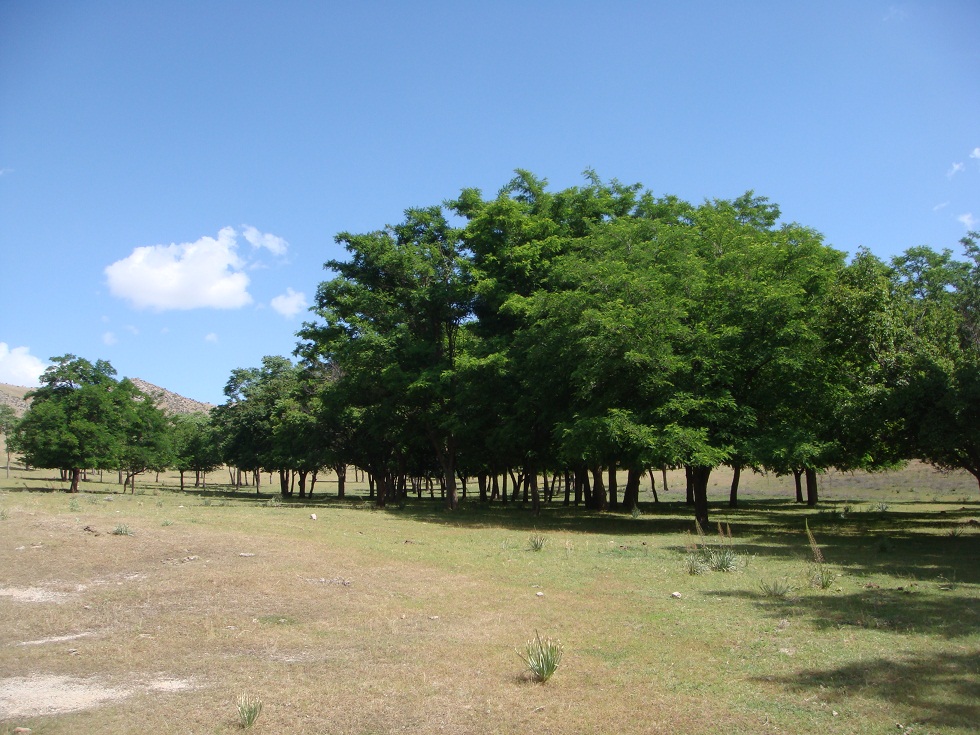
[[172, 174]]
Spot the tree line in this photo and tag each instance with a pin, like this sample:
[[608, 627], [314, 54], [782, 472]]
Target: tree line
[[556, 339]]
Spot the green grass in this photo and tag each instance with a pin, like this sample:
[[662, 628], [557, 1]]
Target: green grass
[[420, 636]]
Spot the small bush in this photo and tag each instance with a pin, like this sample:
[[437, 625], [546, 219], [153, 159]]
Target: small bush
[[775, 588], [723, 559], [695, 563], [822, 577], [542, 657], [121, 529], [954, 531], [3, 514], [881, 507], [274, 502], [718, 557], [536, 542], [249, 709], [168, 522], [73, 506]]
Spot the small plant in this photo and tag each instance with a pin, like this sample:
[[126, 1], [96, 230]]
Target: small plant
[[775, 588], [820, 576], [542, 657], [273, 502], [723, 559], [73, 506], [207, 502], [121, 529], [249, 709], [3, 514], [881, 507], [635, 512], [159, 504], [168, 522], [954, 531], [536, 542], [718, 557]]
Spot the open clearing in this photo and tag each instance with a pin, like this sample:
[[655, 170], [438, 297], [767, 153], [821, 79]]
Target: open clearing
[[154, 612]]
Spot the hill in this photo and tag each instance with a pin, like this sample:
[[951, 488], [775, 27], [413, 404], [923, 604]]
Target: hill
[[170, 402]]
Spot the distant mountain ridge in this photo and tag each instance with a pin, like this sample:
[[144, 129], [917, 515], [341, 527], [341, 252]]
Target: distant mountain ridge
[[168, 401]]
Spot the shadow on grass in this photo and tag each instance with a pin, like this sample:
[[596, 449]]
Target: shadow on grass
[[931, 608], [941, 689]]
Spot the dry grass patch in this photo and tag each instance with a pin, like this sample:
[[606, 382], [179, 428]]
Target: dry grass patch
[[389, 621]]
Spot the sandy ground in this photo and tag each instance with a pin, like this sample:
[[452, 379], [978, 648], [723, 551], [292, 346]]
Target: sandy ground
[[31, 696]]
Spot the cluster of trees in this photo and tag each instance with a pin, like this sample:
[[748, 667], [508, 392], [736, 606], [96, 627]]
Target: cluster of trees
[[83, 418], [602, 328], [576, 335]]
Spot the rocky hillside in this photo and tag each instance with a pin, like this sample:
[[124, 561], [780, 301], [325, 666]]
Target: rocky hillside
[[169, 401], [13, 396]]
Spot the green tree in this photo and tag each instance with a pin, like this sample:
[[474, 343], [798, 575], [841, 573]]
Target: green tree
[[74, 418], [145, 436], [392, 319], [8, 425], [937, 401], [195, 446]]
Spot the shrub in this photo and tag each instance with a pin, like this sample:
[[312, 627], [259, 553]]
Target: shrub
[[536, 542], [542, 657], [249, 709], [718, 557], [121, 529], [775, 588]]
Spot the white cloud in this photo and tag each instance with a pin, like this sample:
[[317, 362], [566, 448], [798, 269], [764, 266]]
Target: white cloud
[[109, 339], [5, 171], [941, 205], [132, 329], [207, 273], [273, 243], [19, 367], [975, 153], [211, 337], [954, 169], [290, 303], [968, 220]]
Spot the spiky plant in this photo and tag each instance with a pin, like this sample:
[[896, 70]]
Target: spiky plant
[[542, 656], [249, 709]]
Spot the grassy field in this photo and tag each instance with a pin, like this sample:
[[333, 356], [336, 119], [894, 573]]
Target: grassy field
[[154, 612]]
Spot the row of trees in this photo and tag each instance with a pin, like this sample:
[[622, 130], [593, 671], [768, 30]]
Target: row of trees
[[577, 334]]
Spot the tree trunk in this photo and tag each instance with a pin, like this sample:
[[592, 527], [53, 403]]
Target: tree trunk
[[613, 487], [733, 494], [182, 481], [284, 483], [481, 481], [689, 475], [341, 470], [797, 474], [302, 482], [699, 477], [598, 490], [532, 479], [631, 495], [75, 474], [653, 486], [811, 486]]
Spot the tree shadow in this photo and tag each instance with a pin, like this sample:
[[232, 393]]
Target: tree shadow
[[941, 689], [932, 608]]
